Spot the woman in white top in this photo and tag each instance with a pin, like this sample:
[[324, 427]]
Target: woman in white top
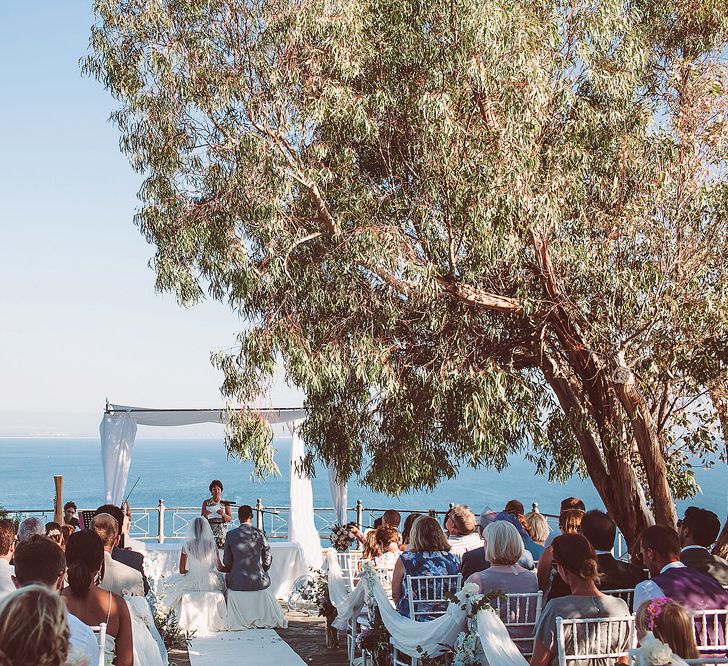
[[217, 512], [388, 539]]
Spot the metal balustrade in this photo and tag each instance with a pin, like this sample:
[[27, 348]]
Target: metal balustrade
[[162, 522]]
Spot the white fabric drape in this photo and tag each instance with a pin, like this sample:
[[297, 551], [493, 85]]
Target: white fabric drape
[[117, 441], [348, 604], [301, 525], [180, 417], [498, 647], [339, 493]]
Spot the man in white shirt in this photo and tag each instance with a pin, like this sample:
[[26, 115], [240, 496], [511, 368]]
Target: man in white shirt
[[118, 577], [40, 560], [670, 577], [460, 524], [7, 546]]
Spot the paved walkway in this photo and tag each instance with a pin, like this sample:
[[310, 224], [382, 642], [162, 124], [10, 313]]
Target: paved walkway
[[255, 647]]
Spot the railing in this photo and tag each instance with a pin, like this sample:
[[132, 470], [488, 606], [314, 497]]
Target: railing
[[160, 523]]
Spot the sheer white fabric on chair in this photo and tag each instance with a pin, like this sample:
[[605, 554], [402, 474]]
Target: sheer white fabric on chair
[[203, 612], [586, 636], [498, 647], [339, 493], [148, 644], [257, 609], [348, 603]]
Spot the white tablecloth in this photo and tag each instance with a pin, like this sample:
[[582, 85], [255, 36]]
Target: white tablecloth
[[288, 563]]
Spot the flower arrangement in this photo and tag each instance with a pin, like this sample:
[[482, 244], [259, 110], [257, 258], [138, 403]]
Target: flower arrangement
[[341, 538]]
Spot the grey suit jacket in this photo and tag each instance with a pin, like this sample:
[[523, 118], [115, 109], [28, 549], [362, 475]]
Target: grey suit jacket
[[702, 560], [247, 555]]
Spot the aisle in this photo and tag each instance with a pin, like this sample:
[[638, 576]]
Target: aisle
[[255, 647]]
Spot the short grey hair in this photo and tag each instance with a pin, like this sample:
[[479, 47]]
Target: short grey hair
[[30, 527], [503, 543]]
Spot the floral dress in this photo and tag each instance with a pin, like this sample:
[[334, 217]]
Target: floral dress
[[435, 563]]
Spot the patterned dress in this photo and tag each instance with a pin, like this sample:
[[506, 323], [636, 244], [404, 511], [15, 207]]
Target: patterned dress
[[418, 563]]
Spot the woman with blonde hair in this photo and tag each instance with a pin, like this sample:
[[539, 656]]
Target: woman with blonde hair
[[670, 623], [429, 555], [33, 628], [371, 549], [576, 561], [538, 527], [549, 580]]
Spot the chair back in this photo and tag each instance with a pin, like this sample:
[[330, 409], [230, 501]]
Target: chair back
[[710, 630], [426, 594], [350, 567], [100, 633], [594, 638], [520, 612], [624, 593]]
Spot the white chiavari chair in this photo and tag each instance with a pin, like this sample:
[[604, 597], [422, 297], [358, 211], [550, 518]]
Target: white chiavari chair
[[520, 613], [100, 633], [583, 638]]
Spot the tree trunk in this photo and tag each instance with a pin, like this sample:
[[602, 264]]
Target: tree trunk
[[612, 473], [719, 395]]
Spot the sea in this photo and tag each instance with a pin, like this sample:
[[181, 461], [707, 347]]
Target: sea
[[180, 470]]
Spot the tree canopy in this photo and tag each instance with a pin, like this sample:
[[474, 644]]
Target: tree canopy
[[466, 229]]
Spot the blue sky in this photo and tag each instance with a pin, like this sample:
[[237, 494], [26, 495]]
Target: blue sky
[[80, 317]]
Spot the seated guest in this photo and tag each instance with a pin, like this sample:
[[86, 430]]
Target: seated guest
[[388, 539], [66, 531], [690, 588], [247, 560], [39, 560], [429, 555], [407, 530], [117, 577], [29, 527], [7, 548], [372, 550], [568, 503], [474, 560], [33, 628], [89, 603], [460, 525], [538, 527], [601, 532], [670, 623], [53, 532], [549, 581], [69, 515], [390, 517], [576, 561], [199, 563], [119, 552], [514, 508], [697, 531], [503, 548]]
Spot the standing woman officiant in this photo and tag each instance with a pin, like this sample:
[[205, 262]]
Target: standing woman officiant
[[217, 512]]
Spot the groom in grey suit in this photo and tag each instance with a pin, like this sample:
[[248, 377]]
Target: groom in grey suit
[[247, 555]]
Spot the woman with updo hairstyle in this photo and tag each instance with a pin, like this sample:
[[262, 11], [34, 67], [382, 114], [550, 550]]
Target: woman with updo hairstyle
[[33, 628], [92, 605], [549, 581], [576, 562]]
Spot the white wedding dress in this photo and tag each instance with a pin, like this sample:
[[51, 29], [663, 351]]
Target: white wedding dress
[[197, 596]]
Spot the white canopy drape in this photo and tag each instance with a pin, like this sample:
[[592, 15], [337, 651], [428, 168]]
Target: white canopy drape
[[118, 432]]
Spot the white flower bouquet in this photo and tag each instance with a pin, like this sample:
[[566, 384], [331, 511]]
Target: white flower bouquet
[[341, 538]]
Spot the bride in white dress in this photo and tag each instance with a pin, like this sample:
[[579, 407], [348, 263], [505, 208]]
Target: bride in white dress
[[199, 563]]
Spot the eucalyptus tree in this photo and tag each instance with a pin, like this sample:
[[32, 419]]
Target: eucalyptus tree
[[467, 229]]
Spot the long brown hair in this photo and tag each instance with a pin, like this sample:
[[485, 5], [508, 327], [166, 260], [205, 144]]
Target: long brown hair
[[672, 625], [427, 536]]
